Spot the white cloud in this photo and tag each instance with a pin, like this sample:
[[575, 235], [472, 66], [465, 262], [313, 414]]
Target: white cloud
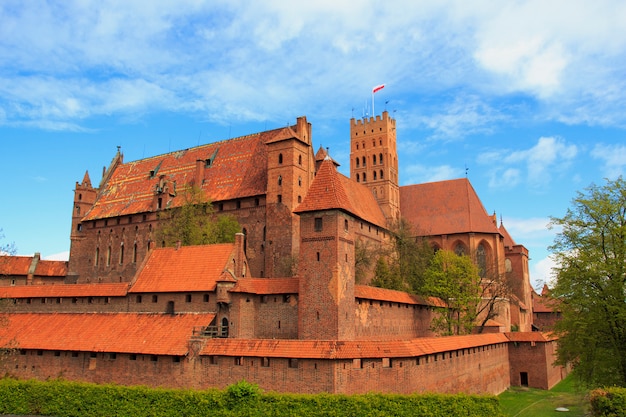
[[416, 174], [614, 157], [542, 272], [62, 256], [549, 156]]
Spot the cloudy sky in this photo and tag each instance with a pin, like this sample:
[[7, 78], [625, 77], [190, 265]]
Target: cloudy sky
[[525, 98]]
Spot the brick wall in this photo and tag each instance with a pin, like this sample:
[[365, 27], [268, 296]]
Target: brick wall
[[378, 319]]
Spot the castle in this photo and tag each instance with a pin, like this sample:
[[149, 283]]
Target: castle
[[280, 306]]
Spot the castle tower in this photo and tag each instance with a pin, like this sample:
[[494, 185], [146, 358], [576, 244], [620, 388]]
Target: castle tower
[[326, 263], [290, 170], [84, 197], [374, 160]]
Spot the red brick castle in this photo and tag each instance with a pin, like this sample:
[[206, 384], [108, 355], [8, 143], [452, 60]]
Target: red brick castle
[[281, 306]]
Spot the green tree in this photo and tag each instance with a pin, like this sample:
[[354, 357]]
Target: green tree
[[590, 251], [406, 259], [195, 223], [454, 279]]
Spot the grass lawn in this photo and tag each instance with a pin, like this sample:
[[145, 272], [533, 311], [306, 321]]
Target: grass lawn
[[531, 402]]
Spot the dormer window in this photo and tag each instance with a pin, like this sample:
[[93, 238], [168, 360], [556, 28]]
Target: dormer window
[[208, 162]]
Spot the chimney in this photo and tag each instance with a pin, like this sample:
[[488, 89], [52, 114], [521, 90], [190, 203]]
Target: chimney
[[239, 255], [32, 268], [199, 178]]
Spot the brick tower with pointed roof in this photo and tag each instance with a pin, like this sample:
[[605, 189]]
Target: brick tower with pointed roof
[[84, 197], [374, 160]]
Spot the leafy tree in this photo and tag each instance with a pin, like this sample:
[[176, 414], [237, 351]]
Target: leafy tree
[[455, 279], [406, 260], [590, 251], [496, 288], [195, 223]]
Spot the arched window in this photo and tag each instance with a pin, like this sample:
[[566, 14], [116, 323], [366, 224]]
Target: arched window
[[358, 178], [381, 174], [357, 161], [374, 159], [380, 158], [280, 158], [280, 180], [245, 240], [135, 253], [481, 259], [364, 161], [109, 256], [122, 253], [299, 159], [508, 267], [374, 175], [299, 181], [364, 177], [459, 249], [97, 260], [224, 332]]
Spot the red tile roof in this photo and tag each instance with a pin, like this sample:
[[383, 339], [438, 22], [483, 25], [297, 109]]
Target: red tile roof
[[153, 334], [530, 337], [382, 294], [508, 240], [332, 190], [19, 265], [15, 265], [444, 208], [237, 169], [543, 303], [332, 349], [51, 269], [188, 268], [266, 286], [65, 290]]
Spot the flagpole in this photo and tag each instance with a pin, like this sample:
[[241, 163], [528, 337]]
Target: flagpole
[[373, 113]]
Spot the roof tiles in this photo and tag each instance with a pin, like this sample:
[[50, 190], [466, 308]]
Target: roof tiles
[[332, 349], [382, 294], [154, 334], [332, 190], [188, 268], [65, 290], [444, 208]]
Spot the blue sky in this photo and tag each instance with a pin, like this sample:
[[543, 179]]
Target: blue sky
[[526, 98]]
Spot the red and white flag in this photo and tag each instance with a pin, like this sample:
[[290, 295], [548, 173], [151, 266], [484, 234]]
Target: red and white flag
[[378, 88]]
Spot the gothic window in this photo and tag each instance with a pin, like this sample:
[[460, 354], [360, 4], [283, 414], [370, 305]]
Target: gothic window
[[374, 142], [357, 161], [245, 240], [135, 253], [481, 259], [77, 210], [280, 180], [280, 158], [358, 178], [374, 175], [122, 253], [364, 161], [381, 174], [357, 145], [299, 159], [299, 181], [380, 158], [364, 177], [508, 267], [109, 256], [97, 260], [374, 159], [224, 327], [459, 249]]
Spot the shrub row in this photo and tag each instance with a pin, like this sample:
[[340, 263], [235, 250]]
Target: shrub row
[[608, 402], [67, 399]]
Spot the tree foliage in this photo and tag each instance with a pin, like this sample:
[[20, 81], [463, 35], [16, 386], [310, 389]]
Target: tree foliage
[[590, 251], [403, 264], [455, 279], [195, 223]]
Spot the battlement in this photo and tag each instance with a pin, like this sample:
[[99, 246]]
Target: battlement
[[373, 120]]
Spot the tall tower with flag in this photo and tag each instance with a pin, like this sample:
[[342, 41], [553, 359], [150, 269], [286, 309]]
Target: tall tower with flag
[[374, 160]]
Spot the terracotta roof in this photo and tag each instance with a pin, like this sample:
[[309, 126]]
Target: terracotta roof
[[322, 154], [153, 334], [382, 294], [65, 290], [15, 265], [51, 269], [508, 240], [237, 169], [332, 190], [543, 303], [188, 268], [19, 265], [266, 286], [445, 208], [530, 337], [332, 349]]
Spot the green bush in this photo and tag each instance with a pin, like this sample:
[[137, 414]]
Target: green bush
[[608, 402], [68, 399]]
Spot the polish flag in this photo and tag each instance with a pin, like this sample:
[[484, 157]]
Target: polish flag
[[378, 88]]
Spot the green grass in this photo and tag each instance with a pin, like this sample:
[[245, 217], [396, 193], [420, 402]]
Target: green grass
[[531, 402]]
